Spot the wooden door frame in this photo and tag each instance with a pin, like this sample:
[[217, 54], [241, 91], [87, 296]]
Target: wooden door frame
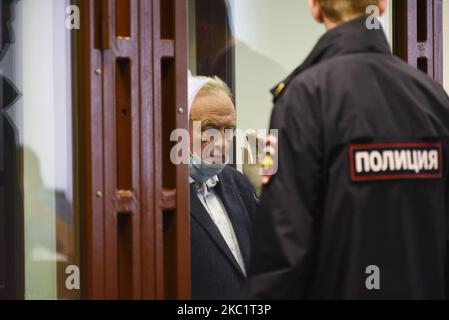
[[158, 202], [418, 34]]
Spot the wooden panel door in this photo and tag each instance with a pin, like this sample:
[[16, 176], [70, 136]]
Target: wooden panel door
[[134, 93], [418, 34]]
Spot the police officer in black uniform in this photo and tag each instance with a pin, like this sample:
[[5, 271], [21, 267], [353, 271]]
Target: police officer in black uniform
[[358, 208]]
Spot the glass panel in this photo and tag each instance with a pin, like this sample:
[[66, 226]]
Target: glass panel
[[227, 39], [38, 63], [266, 53], [446, 44]]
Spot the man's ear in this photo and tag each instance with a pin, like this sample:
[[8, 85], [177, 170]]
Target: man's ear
[[383, 4], [316, 11]]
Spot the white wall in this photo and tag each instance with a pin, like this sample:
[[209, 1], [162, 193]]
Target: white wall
[[274, 37], [273, 40]]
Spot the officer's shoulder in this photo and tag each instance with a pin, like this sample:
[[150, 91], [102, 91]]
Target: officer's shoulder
[[329, 71], [324, 69], [307, 79], [296, 85], [420, 77]]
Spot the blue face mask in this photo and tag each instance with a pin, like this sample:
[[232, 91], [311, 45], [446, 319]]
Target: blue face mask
[[201, 171]]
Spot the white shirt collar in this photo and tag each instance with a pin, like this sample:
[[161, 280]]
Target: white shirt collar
[[211, 183]]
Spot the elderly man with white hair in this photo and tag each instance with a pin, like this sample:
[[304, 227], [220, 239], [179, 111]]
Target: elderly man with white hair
[[223, 203]]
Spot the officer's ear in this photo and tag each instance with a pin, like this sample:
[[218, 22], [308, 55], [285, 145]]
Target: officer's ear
[[383, 4], [316, 11]]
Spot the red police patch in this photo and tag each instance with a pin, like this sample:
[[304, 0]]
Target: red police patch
[[394, 161]]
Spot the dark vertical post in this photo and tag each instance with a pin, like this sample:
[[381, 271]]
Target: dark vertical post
[[418, 35]]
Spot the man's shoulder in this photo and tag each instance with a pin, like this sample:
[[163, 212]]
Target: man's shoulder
[[231, 175]]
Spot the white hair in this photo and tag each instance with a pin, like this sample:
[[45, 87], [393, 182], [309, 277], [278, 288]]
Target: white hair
[[215, 84], [197, 85]]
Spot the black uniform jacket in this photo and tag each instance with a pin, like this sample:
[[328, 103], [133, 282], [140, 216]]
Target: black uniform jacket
[[358, 208], [215, 272]]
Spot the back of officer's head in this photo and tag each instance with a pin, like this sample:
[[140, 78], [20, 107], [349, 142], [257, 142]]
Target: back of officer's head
[[335, 12]]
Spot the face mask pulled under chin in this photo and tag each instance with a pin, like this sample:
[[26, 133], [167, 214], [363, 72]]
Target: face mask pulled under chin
[[201, 170]]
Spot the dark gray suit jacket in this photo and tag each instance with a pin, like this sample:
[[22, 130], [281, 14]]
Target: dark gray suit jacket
[[215, 272]]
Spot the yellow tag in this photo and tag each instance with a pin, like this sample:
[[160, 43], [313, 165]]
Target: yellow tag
[[279, 89]]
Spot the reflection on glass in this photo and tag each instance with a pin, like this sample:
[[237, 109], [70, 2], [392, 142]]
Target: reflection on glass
[[39, 65], [227, 39]]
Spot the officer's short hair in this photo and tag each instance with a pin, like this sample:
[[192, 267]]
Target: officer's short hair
[[338, 10], [215, 84]]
